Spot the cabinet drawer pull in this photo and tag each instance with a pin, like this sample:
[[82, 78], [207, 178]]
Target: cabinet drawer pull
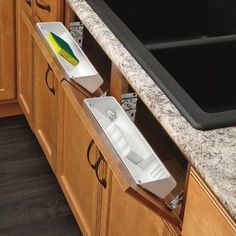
[[28, 2], [103, 182], [95, 166], [52, 90], [44, 7], [88, 154]]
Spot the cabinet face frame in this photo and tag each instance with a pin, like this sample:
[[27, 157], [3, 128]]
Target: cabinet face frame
[[7, 49], [25, 63], [45, 107]]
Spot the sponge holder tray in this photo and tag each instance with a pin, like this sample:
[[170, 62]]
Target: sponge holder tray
[[84, 72], [136, 154]]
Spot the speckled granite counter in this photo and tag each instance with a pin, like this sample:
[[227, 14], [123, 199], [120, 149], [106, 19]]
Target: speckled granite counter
[[212, 153]]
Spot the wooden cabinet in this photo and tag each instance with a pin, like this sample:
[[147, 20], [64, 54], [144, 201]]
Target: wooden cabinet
[[65, 132], [203, 213], [45, 106], [7, 50], [128, 217], [76, 176], [24, 61]]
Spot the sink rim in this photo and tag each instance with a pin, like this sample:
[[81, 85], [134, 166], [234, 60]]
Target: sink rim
[[198, 118]]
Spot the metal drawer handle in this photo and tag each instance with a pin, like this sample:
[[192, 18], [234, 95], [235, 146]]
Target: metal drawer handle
[[88, 154], [103, 182], [28, 2], [44, 7], [52, 90], [95, 166]]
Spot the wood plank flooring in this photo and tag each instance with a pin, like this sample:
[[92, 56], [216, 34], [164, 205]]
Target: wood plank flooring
[[31, 201]]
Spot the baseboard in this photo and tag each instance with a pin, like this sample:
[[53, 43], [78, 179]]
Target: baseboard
[[10, 109]]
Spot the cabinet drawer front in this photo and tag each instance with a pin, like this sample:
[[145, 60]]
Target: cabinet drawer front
[[48, 10]]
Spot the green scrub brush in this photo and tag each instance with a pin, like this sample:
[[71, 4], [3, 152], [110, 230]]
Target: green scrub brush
[[63, 48]]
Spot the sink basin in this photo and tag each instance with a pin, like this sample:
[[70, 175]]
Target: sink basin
[[188, 49], [143, 164], [168, 20], [206, 72]]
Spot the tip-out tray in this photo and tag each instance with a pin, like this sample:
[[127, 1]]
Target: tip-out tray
[[83, 73], [141, 161]]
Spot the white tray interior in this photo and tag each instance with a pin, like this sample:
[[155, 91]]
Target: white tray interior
[[84, 73], [137, 155]]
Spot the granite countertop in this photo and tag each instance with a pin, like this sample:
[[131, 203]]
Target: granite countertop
[[212, 153]]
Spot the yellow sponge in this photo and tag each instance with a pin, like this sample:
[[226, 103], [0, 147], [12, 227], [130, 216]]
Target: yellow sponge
[[63, 48]]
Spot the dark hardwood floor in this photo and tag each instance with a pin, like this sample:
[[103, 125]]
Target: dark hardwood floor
[[31, 201]]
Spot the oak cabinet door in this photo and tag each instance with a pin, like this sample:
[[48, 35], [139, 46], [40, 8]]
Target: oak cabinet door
[[76, 176], [203, 213], [24, 62], [45, 106], [128, 217], [7, 50]]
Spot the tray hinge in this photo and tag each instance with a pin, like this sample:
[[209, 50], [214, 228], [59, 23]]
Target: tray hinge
[[175, 202]]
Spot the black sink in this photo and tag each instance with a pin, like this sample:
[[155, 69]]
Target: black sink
[[176, 19], [206, 72], [187, 47]]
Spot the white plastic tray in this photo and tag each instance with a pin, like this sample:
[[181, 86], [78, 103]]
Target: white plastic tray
[[143, 164], [83, 73]]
